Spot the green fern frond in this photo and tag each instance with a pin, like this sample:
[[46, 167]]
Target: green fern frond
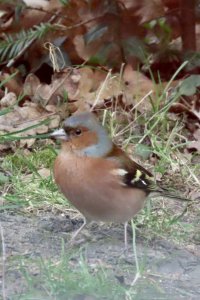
[[13, 44]]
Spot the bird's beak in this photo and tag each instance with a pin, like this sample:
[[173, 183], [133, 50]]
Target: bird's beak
[[59, 134]]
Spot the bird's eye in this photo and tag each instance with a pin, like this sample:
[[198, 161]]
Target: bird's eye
[[78, 131]]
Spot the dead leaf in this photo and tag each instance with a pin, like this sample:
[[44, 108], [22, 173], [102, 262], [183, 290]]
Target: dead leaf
[[95, 87], [86, 81], [37, 3], [31, 84], [65, 82], [194, 145], [150, 10], [12, 84], [8, 100], [137, 84], [44, 172], [196, 134], [194, 194], [28, 115]]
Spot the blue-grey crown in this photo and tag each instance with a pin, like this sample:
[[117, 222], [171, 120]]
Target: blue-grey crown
[[104, 144]]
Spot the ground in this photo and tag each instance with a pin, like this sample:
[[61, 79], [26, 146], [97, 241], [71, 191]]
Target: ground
[[168, 271]]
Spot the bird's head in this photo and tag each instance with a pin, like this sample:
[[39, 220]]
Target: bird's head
[[84, 135]]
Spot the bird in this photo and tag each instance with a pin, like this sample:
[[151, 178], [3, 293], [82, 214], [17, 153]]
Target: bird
[[99, 178]]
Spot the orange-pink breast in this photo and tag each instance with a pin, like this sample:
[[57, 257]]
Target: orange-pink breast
[[90, 185]]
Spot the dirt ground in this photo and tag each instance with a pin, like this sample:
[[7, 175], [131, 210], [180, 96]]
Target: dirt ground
[[173, 271]]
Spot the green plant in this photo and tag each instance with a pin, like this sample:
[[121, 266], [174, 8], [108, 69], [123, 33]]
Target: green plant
[[66, 279], [12, 45]]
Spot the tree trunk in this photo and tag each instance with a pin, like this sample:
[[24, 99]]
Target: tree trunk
[[188, 24]]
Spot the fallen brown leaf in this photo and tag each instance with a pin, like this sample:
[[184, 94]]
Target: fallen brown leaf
[[8, 100], [62, 83], [22, 117], [194, 145]]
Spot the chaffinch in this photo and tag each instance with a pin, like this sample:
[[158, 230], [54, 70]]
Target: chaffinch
[[96, 176]]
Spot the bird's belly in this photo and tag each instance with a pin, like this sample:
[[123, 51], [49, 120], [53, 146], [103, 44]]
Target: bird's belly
[[106, 201], [107, 209], [103, 205]]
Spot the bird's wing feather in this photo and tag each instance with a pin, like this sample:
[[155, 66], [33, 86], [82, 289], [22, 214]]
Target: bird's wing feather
[[135, 176], [132, 174]]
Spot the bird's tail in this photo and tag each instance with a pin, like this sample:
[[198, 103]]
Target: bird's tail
[[169, 194], [174, 197]]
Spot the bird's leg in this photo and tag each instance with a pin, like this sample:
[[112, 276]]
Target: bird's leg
[[125, 236], [85, 222], [124, 252]]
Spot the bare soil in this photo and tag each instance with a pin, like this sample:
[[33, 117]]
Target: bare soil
[[170, 271]]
